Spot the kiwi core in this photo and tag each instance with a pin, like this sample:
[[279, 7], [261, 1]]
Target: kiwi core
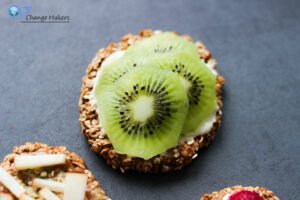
[[143, 108]]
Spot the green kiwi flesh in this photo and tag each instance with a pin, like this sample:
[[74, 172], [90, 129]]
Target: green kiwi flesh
[[199, 83], [163, 44], [142, 113], [117, 69]]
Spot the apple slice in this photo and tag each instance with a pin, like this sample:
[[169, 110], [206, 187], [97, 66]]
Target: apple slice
[[25, 197], [48, 195], [75, 186], [54, 186], [6, 196], [37, 161], [11, 183]]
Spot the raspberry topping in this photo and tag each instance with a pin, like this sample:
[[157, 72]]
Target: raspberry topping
[[245, 195]]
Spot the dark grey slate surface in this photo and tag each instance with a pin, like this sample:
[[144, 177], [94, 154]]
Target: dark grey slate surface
[[256, 43]]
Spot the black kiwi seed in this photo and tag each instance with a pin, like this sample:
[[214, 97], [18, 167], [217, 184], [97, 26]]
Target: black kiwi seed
[[142, 87]]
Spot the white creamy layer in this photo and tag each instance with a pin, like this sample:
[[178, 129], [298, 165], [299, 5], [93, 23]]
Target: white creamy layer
[[114, 56], [226, 197], [204, 128]]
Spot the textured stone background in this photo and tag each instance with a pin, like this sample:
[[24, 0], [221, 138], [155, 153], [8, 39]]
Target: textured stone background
[[256, 44]]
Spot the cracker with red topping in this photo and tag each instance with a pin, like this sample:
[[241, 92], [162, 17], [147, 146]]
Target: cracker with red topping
[[241, 193]]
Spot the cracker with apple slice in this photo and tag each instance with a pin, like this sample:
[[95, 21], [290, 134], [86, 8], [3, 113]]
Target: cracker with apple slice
[[39, 171]]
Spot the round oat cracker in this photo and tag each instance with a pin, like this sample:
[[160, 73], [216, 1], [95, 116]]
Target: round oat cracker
[[74, 164], [175, 158]]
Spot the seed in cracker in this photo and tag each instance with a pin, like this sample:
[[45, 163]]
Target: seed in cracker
[[37, 161]]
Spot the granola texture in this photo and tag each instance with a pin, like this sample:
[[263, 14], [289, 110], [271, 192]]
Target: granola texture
[[175, 158], [263, 192], [74, 164]]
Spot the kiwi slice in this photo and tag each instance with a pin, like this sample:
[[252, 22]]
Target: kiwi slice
[[116, 69], [162, 44], [143, 112], [199, 83]]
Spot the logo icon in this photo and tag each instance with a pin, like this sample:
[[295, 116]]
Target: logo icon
[[14, 11], [23, 14]]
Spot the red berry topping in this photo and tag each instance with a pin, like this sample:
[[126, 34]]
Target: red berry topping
[[245, 195]]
